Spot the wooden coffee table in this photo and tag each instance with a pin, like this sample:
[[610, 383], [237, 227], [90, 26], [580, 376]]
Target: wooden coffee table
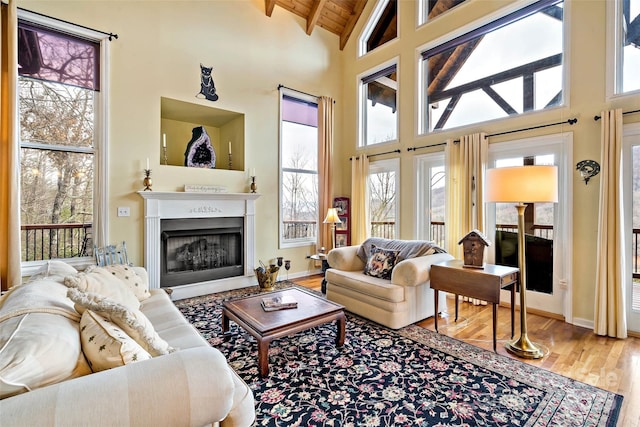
[[266, 326]]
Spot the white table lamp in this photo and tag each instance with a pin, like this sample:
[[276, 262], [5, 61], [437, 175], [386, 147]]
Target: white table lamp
[[333, 219]]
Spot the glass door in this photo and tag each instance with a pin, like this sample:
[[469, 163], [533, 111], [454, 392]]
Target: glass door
[[631, 173], [547, 247]]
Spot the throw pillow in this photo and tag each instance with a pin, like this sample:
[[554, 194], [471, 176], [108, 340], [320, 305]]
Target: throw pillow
[[128, 275], [133, 322], [39, 338], [53, 270], [104, 283], [381, 262], [107, 346]]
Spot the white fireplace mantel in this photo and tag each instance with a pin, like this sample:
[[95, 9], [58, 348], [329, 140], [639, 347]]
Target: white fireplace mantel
[[159, 205]]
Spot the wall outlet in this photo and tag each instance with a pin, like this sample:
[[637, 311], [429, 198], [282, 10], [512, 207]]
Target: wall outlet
[[123, 211]]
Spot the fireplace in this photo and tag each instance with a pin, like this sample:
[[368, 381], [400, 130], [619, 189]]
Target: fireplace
[[198, 243], [200, 249]]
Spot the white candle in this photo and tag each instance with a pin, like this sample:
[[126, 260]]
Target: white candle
[[147, 163], [164, 140], [253, 172], [229, 147]]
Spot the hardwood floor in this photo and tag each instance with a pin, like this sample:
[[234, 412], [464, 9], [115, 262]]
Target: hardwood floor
[[574, 352]]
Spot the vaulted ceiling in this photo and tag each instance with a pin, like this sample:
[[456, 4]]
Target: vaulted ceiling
[[336, 16]]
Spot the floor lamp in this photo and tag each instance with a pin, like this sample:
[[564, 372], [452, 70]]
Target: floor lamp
[[333, 219], [520, 184]]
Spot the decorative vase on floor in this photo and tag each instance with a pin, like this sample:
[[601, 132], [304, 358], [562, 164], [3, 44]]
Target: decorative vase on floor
[[267, 276]]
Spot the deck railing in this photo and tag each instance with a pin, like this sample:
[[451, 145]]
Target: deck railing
[[384, 229], [48, 241], [299, 229]]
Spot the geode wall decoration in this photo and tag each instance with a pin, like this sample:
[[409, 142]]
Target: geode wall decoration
[[200, 152]]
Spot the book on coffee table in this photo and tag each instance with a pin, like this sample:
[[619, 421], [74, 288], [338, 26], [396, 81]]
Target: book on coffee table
[[282, 302]]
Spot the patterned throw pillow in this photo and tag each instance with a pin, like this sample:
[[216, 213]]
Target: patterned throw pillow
[[107, 346], [133, 322], [104, 283], [137, 284], [381, 262]]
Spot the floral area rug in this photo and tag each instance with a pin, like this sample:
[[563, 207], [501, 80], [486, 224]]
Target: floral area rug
[[409, 377]]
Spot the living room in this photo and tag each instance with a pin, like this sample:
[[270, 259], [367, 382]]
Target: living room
[[159, 52]]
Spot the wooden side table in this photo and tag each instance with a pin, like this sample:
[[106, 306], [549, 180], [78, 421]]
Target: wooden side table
[[485, 284]]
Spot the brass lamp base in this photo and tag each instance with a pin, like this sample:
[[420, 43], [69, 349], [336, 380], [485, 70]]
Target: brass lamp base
[[524, 348]]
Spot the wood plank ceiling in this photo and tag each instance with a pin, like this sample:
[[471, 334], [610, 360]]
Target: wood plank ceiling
[[336, 16]]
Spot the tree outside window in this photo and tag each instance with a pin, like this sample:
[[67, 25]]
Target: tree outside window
[[58, 84], [383, 198], [299, 170]]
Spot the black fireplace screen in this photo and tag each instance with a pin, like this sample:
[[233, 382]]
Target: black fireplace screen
[[201, 249]]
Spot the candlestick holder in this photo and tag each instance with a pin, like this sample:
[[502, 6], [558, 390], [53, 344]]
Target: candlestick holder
[[254, 186], [164, 154], [230, 163], [147, 180]]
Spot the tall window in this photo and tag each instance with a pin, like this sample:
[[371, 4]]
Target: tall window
[[298, 169], [383, 198], [431, 197], [59, 103], [382, 26], [378, 94], [627, 45], [507, 67]]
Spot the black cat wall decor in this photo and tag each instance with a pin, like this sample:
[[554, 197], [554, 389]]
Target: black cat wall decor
[[207, 87]]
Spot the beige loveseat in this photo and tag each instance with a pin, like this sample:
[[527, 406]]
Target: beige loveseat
[[404, 299], [192, 385]]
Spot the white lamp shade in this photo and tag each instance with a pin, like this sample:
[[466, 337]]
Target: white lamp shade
[[522, 184], [332, 217]]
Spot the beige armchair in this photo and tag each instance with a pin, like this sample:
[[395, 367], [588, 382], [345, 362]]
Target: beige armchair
[[401, 301]]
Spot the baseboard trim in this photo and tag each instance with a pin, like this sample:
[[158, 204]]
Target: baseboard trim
[[584, 323]]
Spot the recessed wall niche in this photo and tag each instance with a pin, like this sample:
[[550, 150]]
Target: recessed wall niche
[[225, 130]]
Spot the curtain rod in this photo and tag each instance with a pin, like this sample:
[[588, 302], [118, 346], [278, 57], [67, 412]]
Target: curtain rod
[[280, 86], [111, 35], [455, 141], [378, 154], [596, 118]]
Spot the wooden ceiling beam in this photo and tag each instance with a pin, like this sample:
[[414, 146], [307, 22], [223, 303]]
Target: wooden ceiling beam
[[351, 22], [314, 14], [268, 6]]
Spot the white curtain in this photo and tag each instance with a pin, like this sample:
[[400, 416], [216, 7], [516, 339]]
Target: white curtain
[[360, 228], [325, 164], [10, 273], [466, 163], [610, 307]]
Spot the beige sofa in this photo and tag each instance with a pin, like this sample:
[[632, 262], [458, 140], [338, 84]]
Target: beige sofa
[[403, 300], [191, 386]]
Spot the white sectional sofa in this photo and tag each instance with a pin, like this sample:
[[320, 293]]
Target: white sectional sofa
[[46, 381], [404, 299]]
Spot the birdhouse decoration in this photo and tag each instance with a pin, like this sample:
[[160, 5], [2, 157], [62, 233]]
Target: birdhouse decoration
[[473, 245]]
